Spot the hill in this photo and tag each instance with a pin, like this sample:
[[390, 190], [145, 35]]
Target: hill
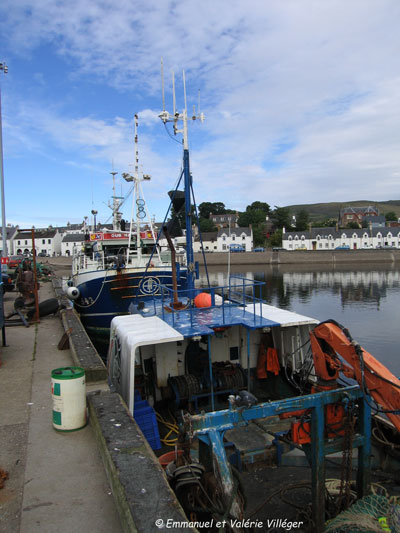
[[331, 209]]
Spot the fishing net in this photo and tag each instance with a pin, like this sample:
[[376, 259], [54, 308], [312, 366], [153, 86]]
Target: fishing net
[[374, 513]]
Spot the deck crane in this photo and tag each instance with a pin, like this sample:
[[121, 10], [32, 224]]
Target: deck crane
[[329, 340]]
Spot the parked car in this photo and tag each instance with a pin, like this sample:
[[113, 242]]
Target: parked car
[[8, 282], [277, 249], [236, 248], [259, 249], [42, 254], [343, 247], [15, 261]]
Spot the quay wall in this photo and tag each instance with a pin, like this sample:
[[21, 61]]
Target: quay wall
[[301, 257]]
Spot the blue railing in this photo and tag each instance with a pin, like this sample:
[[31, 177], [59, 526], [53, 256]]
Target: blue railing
[[239, 292]]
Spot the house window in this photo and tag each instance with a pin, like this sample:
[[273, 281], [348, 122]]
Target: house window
[[233, 237], [43, 241], [26, 242], [223, 237], [48, 241], [243, 237], [19, 242]]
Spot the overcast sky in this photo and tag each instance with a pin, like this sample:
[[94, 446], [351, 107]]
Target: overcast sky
[[301, 98]]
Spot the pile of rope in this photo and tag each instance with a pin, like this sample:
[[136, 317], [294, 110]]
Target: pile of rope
[[169, 439], [373, 513]]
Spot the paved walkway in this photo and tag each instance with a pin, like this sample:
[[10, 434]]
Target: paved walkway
[[57, 481]]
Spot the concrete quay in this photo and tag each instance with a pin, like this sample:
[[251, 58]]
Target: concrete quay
[[56, 480], [103, 477]]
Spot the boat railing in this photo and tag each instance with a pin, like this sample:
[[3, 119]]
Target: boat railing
[[101, 261], [240, 292]]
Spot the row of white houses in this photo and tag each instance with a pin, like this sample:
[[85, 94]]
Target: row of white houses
[[62, 241], [330, 238], [225, 239]]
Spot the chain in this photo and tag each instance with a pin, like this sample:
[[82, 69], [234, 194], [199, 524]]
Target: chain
[[347, 456]]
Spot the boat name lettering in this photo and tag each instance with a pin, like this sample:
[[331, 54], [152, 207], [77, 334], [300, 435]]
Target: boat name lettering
[[107, 236]]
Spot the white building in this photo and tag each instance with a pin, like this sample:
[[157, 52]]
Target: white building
[[47, 241], [69, 241], [209, 240], [11, 231], [232, 236], [330, 238]]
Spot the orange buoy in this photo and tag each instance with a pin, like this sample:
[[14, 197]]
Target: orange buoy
[[203, 300]]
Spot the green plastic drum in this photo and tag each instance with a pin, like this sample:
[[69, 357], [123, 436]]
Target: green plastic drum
[[68, 389]]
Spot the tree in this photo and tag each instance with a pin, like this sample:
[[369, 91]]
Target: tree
[[281, 217], [326, 223], [353, 225], [302, 220], [276, 239], [258, 235], [255, 214], [215, 208], [391, 216], [206, 225]]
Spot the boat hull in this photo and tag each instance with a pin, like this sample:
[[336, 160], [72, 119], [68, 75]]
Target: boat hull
[[107, 294]]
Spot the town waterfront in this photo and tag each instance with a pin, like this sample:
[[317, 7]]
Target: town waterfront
[[363, 298]]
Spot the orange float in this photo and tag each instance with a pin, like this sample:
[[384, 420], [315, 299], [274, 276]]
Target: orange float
[[203, 300]]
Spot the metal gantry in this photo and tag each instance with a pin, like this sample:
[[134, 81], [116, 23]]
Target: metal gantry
[[209, 428]]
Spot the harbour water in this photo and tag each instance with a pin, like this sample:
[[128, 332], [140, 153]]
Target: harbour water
[[363, 298]]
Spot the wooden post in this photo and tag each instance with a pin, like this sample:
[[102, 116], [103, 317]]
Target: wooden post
[[35, 288]]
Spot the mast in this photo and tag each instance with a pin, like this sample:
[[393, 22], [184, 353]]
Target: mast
[[116, 202], [165, 116], [138, 202]]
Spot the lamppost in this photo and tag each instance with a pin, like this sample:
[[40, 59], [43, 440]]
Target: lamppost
[[4, 68], [94, 213]]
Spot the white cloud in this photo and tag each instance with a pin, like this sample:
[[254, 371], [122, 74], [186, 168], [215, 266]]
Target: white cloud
[[300, 97]]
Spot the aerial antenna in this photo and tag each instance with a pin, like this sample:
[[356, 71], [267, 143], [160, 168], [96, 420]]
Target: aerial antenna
[[173, 94], [199, 104], [184, 88], [165, 116], [162, 84], [136, 147]]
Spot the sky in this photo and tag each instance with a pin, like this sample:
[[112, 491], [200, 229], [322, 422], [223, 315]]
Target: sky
[[301, 101]]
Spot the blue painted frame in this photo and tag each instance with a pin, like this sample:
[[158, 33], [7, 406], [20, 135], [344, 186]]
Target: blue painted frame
[[210, 429]]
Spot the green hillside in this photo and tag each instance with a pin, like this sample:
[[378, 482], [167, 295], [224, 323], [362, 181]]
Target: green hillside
[[331, 209]]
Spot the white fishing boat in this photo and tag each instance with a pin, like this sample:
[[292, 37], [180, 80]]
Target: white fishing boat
[[223, 358]]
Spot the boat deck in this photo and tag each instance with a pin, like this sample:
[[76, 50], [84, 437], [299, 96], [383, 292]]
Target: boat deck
[[192, 322]]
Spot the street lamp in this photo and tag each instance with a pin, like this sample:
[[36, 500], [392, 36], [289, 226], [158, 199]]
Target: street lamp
[[94, 213], [4, 68]]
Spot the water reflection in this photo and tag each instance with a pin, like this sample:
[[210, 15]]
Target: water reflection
[[364, 298]]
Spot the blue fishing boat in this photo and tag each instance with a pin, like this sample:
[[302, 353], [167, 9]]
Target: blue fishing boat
[[117, 269]]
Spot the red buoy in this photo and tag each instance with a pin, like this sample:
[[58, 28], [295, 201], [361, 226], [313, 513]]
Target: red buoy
[[203, 300]]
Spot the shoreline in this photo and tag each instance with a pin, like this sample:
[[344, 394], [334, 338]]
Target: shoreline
[[270, 257]]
